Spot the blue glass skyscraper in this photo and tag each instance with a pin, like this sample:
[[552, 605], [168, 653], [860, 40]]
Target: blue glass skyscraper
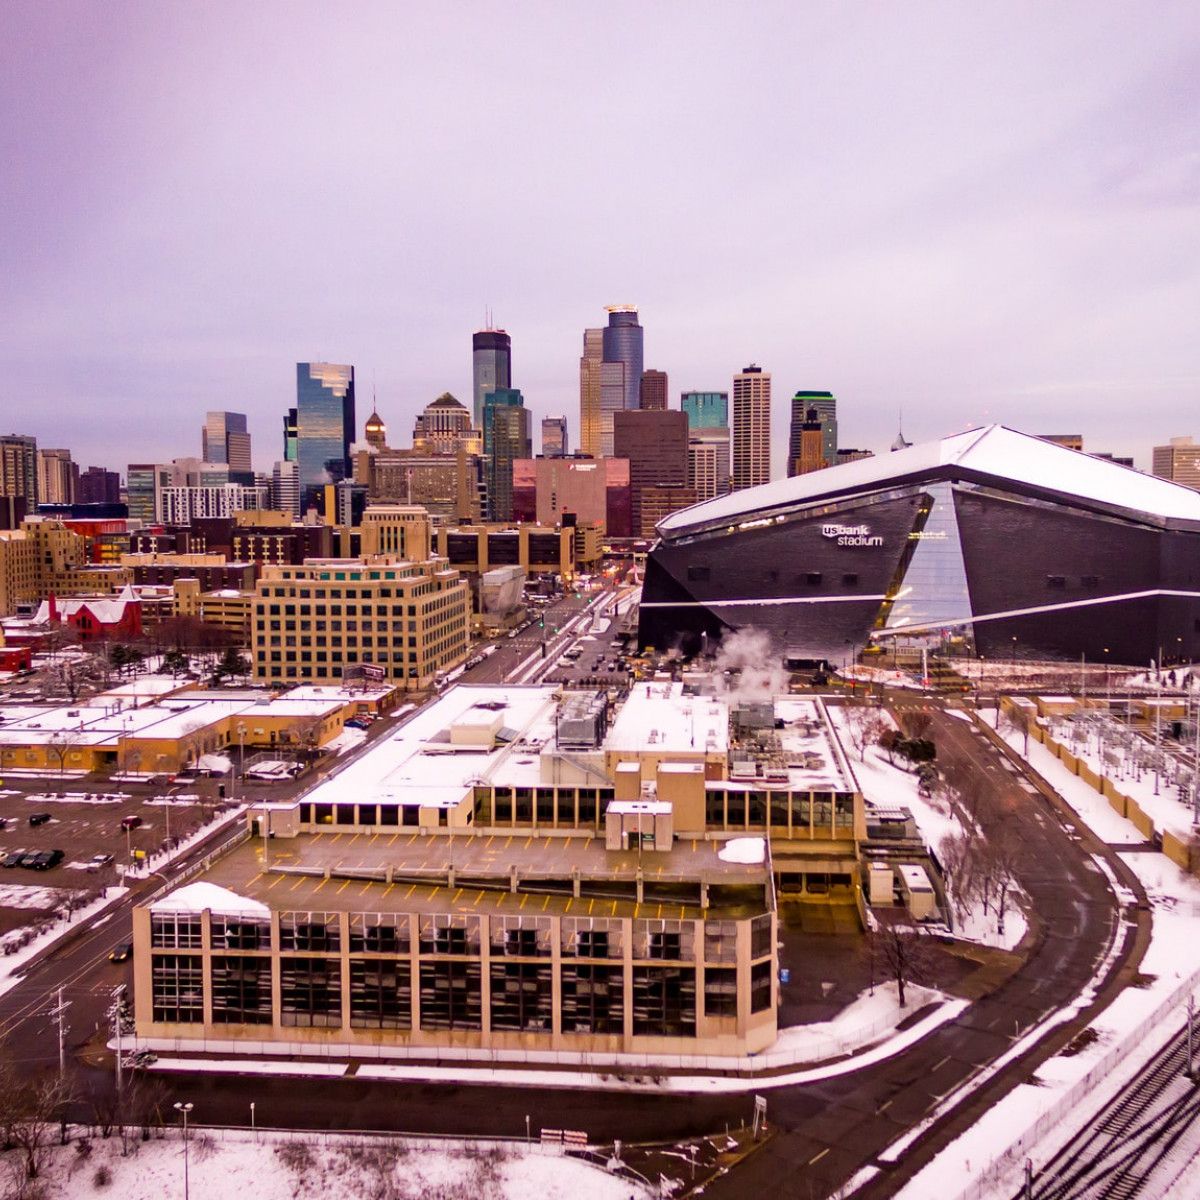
[[324, 424], [623, 344]]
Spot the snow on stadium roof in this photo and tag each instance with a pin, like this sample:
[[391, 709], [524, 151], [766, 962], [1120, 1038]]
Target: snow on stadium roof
[[991, 450]]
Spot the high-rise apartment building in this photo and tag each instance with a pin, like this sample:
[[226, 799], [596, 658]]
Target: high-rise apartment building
[[58, 477], [806, 447], [589, 391], [506, 437], [706, 410], [444, 427], [554, 437], [143, 485], [708, 462], [99, 486], [653, 393], [324, 424], [183, 504], [806, 407], [491, 367], [285, 487], [751, 427], [19, 469], [319, 621], [656, 445], [1178, 461], [225, 439]]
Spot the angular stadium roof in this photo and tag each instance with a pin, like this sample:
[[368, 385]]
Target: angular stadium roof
[[991, 451]]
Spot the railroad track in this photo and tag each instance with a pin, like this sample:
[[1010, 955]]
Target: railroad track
[[1116, 1156]]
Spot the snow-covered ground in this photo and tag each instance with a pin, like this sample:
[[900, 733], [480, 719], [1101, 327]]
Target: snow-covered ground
[[349, 739], [233, 1164], [988, 1160], [29, 895], [91, 913], [888, 786]]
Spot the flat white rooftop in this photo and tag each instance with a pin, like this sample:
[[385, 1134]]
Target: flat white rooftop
[[660, 718]]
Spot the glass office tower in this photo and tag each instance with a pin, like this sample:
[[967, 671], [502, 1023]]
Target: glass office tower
[[491, 367], [623, 344], [324, 425], [706, 410]]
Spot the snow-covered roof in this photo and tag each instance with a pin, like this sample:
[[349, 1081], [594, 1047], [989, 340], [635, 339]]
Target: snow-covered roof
[[108, 610], [993, 450], [196, 897], [659, 718]]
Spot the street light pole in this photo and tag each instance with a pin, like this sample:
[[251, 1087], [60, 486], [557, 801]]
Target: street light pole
[[184, 1109], [241, 732]]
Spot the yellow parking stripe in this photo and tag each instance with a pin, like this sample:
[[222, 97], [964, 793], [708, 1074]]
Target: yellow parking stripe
[[322, 884]]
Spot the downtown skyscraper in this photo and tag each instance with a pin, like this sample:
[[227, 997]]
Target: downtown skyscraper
[[610, 377], [751, 427], [225, 439], [491, 367], [324, 425]]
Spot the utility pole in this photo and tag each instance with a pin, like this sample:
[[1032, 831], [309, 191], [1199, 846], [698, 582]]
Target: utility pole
[[116, 1016], [58, 1015]]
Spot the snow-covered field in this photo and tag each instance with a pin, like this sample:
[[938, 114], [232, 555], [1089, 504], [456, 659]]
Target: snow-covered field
[[229, 1166], [29, 895]]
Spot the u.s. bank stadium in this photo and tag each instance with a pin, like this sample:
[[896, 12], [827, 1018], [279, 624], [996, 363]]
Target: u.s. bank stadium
[[1003, 542]]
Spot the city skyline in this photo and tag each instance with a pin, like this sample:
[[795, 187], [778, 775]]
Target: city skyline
[[1009, 237]]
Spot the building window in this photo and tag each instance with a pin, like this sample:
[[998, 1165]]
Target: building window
[[451, 995], [309, 931], [378, 933], [380, 994], [720, 991], [241, 990], [813, 578], [760, 936], [850, 580], [720, 942], [664, 1001], [310, 992], [698, 574], [1056, 581], [760, 986], [521, 996], [240, 933], [592, 998], [175, 931], [177, 988]]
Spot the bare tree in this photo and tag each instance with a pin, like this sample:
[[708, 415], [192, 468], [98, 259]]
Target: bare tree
[[1015, 718], [61, 743], [863, 727], [32, 1108], [901, 953]]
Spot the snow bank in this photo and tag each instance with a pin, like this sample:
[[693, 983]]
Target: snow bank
[[743, 850]]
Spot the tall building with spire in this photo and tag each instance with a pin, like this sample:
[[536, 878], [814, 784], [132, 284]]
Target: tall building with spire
[[491, 367], [375, 431]]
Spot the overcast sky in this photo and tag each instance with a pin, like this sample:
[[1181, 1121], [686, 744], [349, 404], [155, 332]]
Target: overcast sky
[[972, 212]]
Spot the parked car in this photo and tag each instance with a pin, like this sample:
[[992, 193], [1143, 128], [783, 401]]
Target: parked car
[[356, 723], [29, 858], [12, 859], [131, 822], [38, 818], [99, 860], [121, 953], [48, 859]]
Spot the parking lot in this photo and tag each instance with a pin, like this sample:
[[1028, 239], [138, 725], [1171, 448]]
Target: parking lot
[[82, 824]]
